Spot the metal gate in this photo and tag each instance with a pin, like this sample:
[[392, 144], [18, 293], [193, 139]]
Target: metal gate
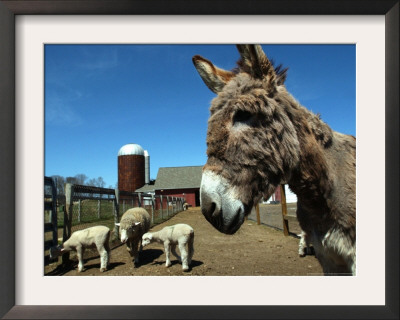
[[50, 218]]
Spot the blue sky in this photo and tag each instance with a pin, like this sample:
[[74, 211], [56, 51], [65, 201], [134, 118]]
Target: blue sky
[[101, 97]]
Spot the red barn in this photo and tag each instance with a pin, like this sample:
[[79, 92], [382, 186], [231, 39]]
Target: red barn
[[177, 182]]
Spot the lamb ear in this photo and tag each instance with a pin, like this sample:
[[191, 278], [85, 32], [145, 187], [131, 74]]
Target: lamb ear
[[214, 77], [137, 223], [254, 61], [117, 224]]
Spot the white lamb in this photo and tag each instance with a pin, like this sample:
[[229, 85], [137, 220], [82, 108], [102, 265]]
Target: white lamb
[[179, 234], [134, 223], [97, 236]]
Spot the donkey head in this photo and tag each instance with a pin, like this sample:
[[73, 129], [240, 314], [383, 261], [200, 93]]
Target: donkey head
[[252, 145]]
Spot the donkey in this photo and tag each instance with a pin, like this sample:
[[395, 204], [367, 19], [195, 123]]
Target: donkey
[[258, 137]]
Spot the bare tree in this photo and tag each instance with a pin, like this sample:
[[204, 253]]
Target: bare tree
[[60, 183], [99, 182], [71, 180], [81, 178]]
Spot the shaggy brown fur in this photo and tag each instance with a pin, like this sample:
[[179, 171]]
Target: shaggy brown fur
[[259, 136]]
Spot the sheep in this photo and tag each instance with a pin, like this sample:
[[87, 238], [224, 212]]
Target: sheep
[[133, 224], [185, 206], [179, 234], [97, 236]]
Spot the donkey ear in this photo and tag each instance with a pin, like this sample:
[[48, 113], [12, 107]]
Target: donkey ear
[[254, 61], [214, 77]]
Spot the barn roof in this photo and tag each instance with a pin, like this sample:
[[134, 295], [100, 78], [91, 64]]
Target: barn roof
[[175, 178], [146, 188], [178, 177]]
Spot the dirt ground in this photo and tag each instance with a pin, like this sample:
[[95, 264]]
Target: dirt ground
[[254, 250]]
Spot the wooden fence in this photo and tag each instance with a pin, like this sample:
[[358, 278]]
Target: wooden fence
[[285, 217], [85, 206]]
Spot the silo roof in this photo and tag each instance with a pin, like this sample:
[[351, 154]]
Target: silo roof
[[131, 149]]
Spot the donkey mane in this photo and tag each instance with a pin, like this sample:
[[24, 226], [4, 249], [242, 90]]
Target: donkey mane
[[321, 130], [280, 71]]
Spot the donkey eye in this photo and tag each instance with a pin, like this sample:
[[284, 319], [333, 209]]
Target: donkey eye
[[242, 116]]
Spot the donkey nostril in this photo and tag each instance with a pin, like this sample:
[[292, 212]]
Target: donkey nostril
[[212, 209], [215, 212], [208, 211], [210, 204]]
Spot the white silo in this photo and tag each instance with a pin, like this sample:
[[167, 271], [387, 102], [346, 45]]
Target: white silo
[[146, 167]]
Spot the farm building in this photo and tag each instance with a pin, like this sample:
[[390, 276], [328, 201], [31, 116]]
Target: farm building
[[276, 196], [133, 167], [134, 176], [177, 182]]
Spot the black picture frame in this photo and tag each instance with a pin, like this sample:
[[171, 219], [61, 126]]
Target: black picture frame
[[8, 10]]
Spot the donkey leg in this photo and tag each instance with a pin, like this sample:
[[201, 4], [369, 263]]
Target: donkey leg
[[303, 244]]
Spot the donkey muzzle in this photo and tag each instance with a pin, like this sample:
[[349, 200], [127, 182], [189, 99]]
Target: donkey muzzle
[[219, 205]]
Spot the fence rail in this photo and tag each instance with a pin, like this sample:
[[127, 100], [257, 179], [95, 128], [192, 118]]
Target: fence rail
[[85, 206]]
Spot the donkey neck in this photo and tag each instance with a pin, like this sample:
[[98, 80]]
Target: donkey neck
[[311, 180]]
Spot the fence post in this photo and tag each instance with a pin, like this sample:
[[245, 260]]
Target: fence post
[[284, 211], [258, 213], [174, 200], [116, 214], [152, 208], [162, 205], [69, 206], [98, 208], [54, 211], [167, 207], [140, 199], [79, 210], [176, 204]]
